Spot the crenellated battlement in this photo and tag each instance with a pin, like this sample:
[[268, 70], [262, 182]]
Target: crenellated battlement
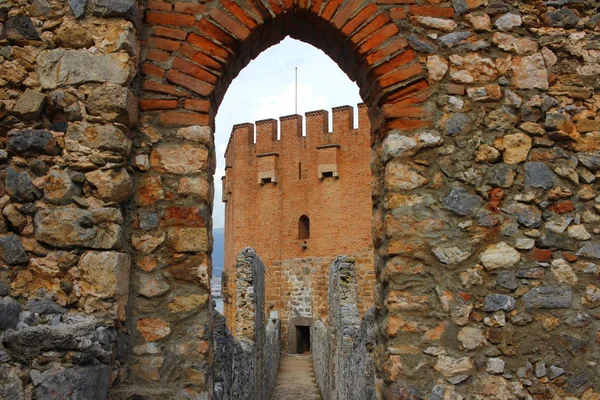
[[269, 135]]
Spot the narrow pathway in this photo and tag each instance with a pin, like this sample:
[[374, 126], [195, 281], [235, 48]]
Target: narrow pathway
[[296, 379]]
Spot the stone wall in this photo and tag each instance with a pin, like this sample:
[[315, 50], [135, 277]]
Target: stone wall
[[485, 174], [343, 348], [246, 364], [302, 291], [67, 117]]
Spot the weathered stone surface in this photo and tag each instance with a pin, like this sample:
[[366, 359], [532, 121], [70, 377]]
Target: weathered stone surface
[[471, 338], [117, 8], [114, 103], [187, 303], [74, 333], [45, 306], [461, 202], [20, 28], [437, 67], [485, 93], [495, 365], [450, 255], [590, 250], [147, 243], [472, 68], [590, 160], [78, 7], [87, 138], [538, 174], [19, 186], [499, 255], [449, 366], [152, 287], [111, 185], [507, 280], [9, 313], [455, 38], [73, 36], [549, 297], [105, 274], [11, 387], [563, 18], [12, 251], [456, 123], [59, 188], [153, 329], [400, 176], [516, 148], [185, 159], [446, 25], [563, 272], [188, 239], [528, 216], [30, 105], [513, 44], [78, 383], [61, 67], [497, 302], [421, 43], [508, 22], [66, 227], [529, 72]]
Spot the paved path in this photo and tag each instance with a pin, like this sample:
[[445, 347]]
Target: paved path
[[296, 379]]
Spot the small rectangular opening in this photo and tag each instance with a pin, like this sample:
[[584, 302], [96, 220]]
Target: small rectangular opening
[[265, 180], [327, 174], [303, 339]]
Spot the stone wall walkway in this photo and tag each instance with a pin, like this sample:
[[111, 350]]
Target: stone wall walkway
[[296, 379]]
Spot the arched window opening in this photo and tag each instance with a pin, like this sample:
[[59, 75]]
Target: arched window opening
[[304, 228]]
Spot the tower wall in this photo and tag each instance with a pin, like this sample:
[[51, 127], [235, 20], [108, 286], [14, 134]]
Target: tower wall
[[282, 175]]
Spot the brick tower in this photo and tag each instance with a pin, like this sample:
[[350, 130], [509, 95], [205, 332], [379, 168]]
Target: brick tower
[[299, 201]]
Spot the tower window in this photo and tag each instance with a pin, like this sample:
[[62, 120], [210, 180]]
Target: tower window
[[303, 228], [299, 171]]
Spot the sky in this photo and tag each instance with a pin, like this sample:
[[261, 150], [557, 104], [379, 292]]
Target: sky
[[265, 89]]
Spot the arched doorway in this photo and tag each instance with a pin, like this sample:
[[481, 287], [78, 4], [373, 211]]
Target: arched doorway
[[193, 52]]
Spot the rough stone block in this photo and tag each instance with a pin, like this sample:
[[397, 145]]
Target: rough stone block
[[66, 227], [60, 67]]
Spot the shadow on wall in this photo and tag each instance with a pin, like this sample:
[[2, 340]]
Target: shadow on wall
[[343, 349], [245, 366]]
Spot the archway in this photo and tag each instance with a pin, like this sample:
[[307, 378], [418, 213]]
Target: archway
[[192, 53]]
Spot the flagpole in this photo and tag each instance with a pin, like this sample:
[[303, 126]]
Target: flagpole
[[296, 93]]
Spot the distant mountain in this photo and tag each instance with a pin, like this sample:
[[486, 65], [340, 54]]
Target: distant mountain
[[218, 254]]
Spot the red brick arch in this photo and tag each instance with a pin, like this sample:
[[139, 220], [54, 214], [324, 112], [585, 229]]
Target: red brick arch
[[194, 51]]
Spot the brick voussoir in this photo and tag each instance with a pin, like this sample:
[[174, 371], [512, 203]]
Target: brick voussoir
[[371, 27], [183, 118], [330, 9], [360, 18], [400, 74], [157, 104], [209, 47], [250, 21], [378, 37], [190, 52], [172, 19], [196, 71], [209, 29], [196, 85], [230, 24]]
